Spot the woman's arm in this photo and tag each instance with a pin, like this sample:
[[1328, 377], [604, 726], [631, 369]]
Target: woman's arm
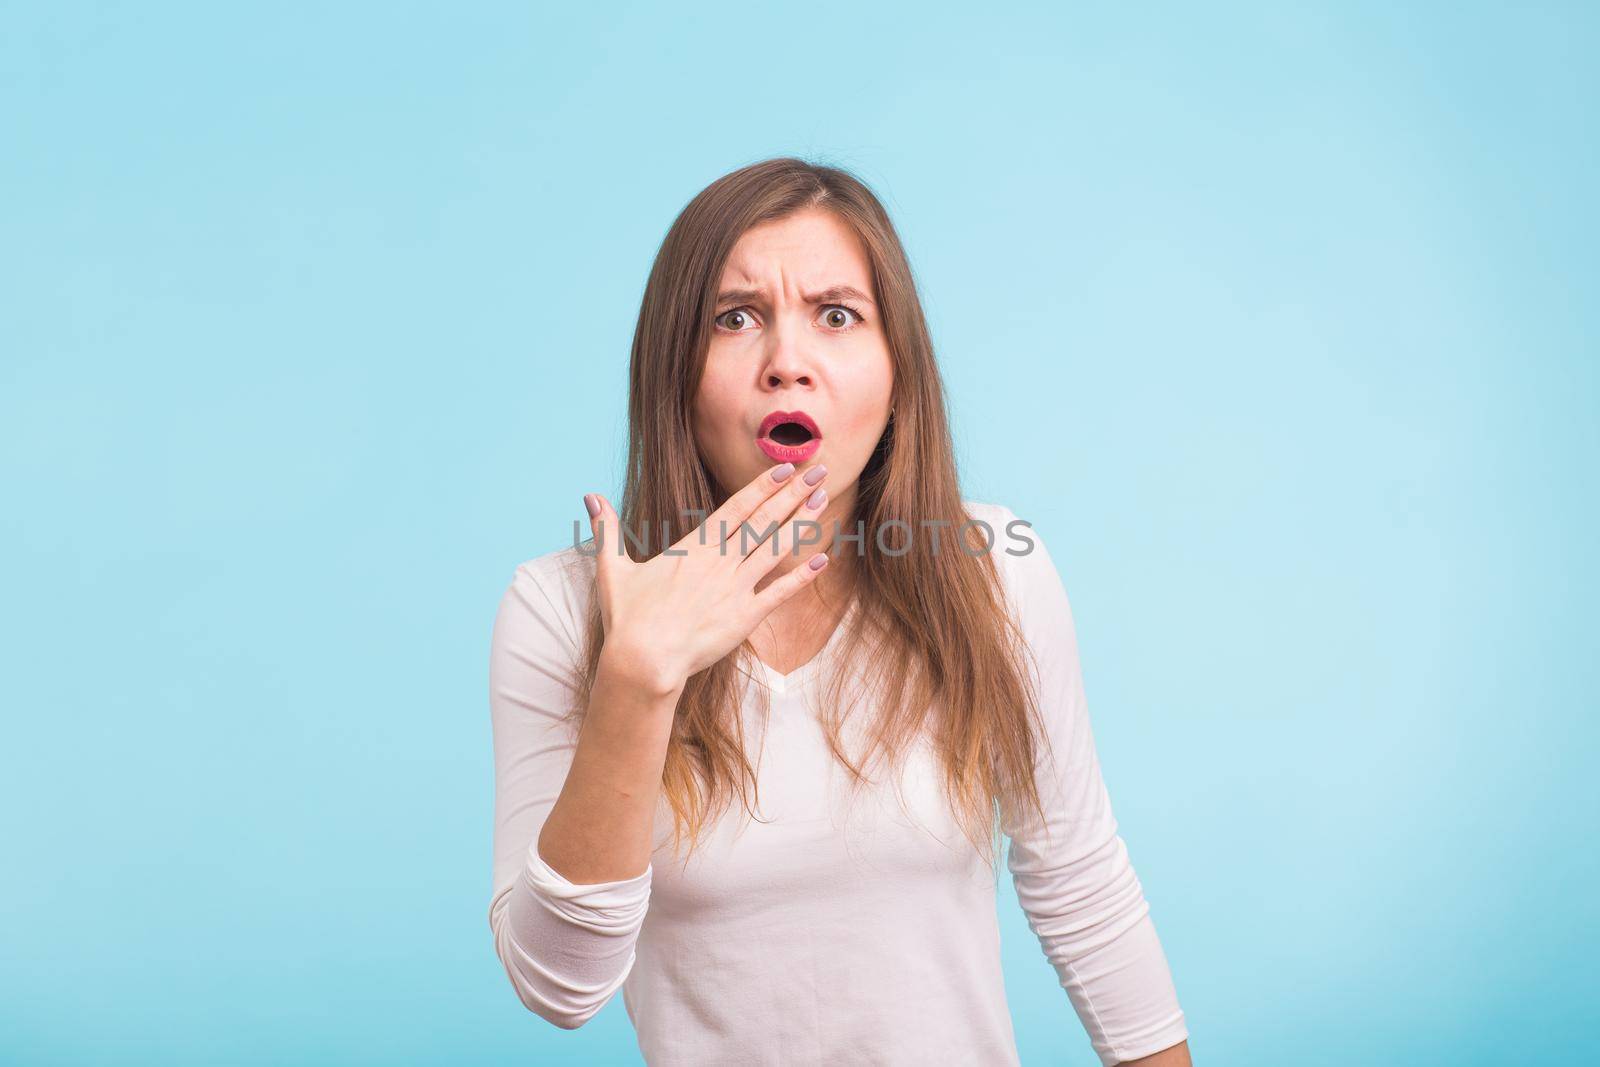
[[600, 827], [573, 814], [564, 932], [1072, 872]]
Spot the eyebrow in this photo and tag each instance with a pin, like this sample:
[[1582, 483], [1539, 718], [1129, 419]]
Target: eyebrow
[[828, 295]]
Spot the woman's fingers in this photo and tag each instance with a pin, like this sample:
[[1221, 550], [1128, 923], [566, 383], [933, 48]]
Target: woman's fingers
[[790, 584], [803, 528], [773, 513], [774, 483], [607, 529], [720, 525], [691, 612]]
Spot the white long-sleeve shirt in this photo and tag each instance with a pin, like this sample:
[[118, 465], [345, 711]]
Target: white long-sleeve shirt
[[832, 932]]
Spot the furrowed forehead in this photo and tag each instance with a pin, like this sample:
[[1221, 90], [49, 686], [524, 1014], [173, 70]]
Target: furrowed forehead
[[745, 293], [813, 253]]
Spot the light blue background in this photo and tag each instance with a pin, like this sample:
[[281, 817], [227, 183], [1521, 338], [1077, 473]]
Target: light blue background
[[1278, 322]]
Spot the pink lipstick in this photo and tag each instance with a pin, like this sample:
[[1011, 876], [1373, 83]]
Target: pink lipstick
[[789, 437]]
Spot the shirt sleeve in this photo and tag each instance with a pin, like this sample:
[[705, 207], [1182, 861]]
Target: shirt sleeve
[[1072, 872], [567, 948]]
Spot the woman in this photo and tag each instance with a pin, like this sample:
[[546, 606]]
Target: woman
[[884, 674]]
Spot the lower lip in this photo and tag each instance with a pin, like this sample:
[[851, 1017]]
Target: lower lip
[[789, 453]]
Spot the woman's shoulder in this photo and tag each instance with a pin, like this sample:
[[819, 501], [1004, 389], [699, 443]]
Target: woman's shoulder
[[556, 587], [987, 512], [1024, 564], [996, 516], [571, 565], [1010, 536]]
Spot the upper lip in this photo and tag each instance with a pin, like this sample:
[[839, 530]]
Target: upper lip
[[778, 417]]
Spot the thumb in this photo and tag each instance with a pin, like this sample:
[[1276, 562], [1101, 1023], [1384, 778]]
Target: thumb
[[603, 522]]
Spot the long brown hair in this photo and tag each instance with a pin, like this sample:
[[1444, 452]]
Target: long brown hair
[[931, 636]]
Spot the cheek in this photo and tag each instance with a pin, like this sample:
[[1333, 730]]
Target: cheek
[[861, 422], [713, 412], [716, 409], [867, 389]]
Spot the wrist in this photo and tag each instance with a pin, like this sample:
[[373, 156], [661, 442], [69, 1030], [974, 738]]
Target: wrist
[[639, 673]]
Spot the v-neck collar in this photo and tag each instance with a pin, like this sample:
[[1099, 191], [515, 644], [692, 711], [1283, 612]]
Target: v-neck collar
[[783, 684]]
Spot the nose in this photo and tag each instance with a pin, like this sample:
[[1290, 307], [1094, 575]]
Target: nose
[[787, 361]]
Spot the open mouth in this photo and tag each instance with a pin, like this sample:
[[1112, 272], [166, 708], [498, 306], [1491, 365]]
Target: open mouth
[[789, 433], [789, 436]]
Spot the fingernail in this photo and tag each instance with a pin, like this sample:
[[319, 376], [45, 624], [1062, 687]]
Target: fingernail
[[818, 562], [815, 500], [780, 473], [814, 475], [592, 504]]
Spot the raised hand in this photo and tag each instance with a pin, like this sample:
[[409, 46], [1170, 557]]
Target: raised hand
[[681, 611]]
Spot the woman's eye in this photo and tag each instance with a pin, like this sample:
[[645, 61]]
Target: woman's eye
[[834, 312], [837, 317]]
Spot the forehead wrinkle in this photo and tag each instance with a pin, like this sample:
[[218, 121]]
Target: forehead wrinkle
[[773, 260], [744, 288]]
